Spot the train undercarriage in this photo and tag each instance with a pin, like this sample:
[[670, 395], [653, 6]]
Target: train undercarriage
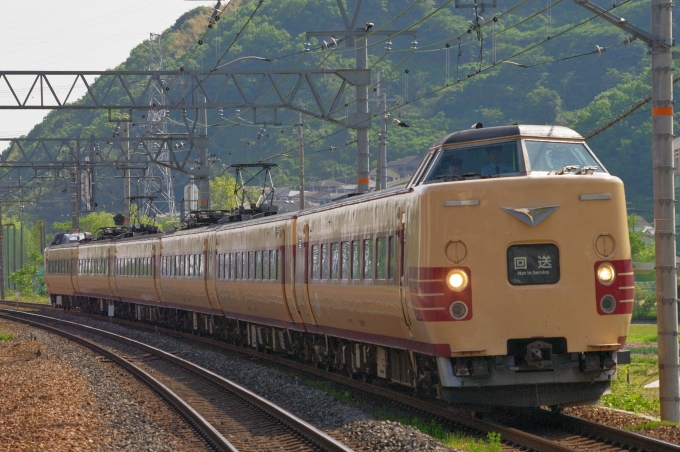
[[462, 381]]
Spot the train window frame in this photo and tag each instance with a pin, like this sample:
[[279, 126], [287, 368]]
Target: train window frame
[[355, 256], [345, 253], [325, 261], [421, 171], [273, 264], [315, 268], [428, 176], [380, 257], [265, 265], [369, 255], [528, 164], [335, 260]]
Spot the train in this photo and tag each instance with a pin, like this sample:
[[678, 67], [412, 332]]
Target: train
[[499, 275]]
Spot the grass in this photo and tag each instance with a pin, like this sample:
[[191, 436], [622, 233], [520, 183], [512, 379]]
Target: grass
[[651, 425], [629, 393], [437, 431], [5, 336]]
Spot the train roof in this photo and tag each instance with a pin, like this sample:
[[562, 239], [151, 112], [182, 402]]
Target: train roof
[[513, 131]]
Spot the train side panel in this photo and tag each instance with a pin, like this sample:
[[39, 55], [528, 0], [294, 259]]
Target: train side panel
[[251, 272], [134, 270], [183, 271], [93, 270], [59, 262]]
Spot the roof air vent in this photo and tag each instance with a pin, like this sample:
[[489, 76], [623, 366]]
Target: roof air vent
[[477, 125]]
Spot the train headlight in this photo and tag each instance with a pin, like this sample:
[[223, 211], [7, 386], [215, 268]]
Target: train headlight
[[608, 304], [606, 274], [458, 310], [457, 280]]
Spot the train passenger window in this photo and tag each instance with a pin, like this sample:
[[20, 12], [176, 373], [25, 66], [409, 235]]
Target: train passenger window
[[237, 260], [106, 266], [368, 259], [356, 260], [251, 265], [220, 266], [265, 264], [258, 264], [344, 267], [315, 262], [324, 261], [244, 266], [391, 257], [335, 257], [232, 265], [182, 266], [272, 264], [380, 257], [201, 267], [175, 266], [192, 266], [278, 265]]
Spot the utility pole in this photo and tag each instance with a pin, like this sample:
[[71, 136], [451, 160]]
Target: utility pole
[[350, 35], [125, 145], [301, 162], [660, 42], [381, 173], [203, 169], [2, 258], [75, 174]]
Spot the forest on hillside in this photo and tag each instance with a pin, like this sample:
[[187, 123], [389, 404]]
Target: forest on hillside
[[532, 62]]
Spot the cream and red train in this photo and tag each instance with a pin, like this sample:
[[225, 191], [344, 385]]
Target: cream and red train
[[500, 274]]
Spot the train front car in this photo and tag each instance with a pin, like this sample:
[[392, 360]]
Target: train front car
[[522, 265]]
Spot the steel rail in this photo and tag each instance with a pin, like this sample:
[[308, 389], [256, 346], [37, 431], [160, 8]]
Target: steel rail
[[198, 421], [622, 437], [316, 436]]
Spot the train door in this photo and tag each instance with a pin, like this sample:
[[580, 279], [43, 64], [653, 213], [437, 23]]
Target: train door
[[111, 270], [401, 259], [209, 271], [74, 269], [156, 262], [302, 275], [288, 301]]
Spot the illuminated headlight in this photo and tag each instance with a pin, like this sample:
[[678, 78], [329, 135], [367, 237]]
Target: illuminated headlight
[[457, 280], [608, 304], [606, 274]]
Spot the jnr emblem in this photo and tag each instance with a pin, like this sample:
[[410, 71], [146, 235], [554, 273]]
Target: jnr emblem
[[530, 215]]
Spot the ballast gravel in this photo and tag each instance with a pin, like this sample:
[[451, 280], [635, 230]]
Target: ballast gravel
[[350, 425], [57, 395]]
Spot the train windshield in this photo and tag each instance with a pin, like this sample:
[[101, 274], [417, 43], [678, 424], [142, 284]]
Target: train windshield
[[489, 160], [555, 156]]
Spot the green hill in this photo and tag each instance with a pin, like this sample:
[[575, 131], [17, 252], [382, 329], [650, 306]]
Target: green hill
[[579, 92]]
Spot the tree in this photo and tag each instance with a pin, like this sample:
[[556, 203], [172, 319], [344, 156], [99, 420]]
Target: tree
[[222, 193], [28, 279], [641, 250]]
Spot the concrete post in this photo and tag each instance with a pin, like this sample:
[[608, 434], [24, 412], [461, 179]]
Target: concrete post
[[301, 162], [664, 212], [382, 157], [125, 147], [361, 54], [74, 186], [204, 170]]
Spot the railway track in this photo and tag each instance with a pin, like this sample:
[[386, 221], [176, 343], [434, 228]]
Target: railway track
[[230, 417], [537, 429]]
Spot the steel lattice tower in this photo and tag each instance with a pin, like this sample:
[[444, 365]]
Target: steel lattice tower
[[157, 181]]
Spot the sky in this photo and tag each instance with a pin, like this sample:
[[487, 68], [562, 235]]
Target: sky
[[76, 35]]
